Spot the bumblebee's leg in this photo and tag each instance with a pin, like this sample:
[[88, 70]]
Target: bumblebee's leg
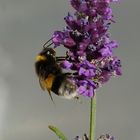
[[70, 74], [60, 58]]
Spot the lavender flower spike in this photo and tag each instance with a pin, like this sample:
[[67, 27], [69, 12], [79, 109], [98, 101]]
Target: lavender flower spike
[[90, 50]]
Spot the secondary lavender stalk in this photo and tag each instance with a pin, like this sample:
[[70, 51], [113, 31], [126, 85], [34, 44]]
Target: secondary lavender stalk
[[92, 118], [58, 132]]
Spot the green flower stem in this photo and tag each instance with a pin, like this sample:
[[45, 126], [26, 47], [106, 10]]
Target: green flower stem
[[58, 132], [92, 118]]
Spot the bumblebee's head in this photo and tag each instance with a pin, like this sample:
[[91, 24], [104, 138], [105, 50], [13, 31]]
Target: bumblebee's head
[[46, 55], [48, 51]]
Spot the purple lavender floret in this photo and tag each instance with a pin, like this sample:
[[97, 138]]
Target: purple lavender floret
[[85, 137], [86, 88], [90, 50], [102, 137], [106, 137]]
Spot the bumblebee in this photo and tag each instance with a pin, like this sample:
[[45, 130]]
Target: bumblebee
[[51, 77]]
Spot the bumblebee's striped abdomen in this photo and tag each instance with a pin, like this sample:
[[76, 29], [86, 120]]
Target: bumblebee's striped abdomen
[[64, 87], [57, 83]]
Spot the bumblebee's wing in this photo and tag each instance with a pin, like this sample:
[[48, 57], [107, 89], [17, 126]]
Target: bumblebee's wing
[[43, 83]]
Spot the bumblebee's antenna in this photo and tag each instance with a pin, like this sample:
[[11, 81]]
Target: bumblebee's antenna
[[44, 46]]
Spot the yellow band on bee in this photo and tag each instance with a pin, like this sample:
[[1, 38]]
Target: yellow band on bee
[[40, 58]]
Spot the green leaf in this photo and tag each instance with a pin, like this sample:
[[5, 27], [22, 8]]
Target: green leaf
[[58, 132]]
